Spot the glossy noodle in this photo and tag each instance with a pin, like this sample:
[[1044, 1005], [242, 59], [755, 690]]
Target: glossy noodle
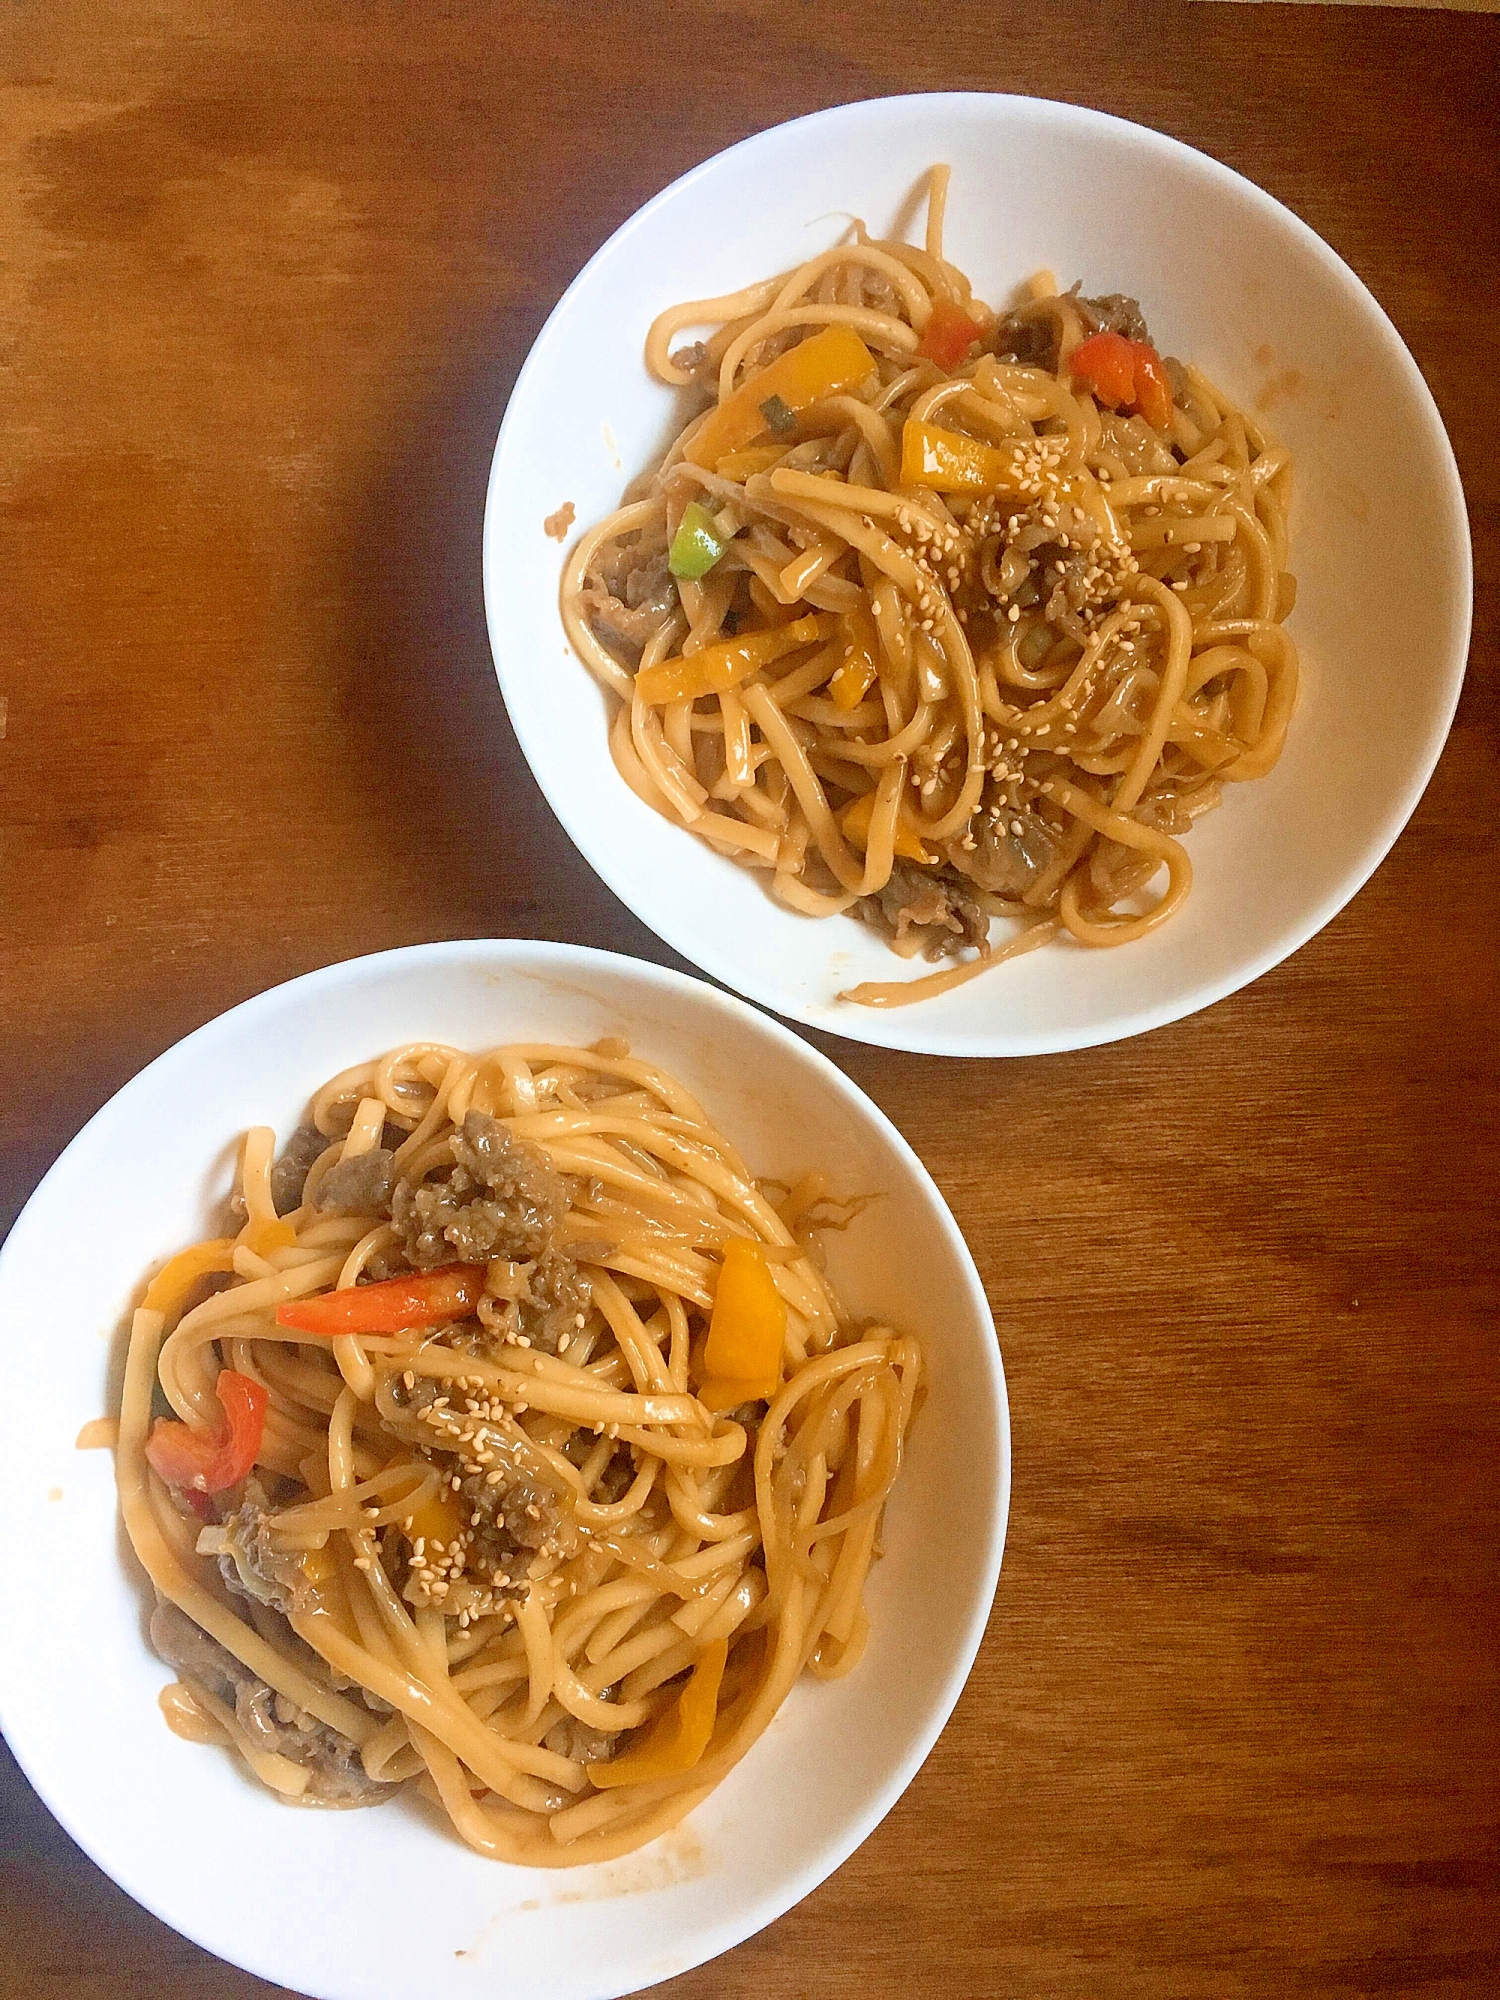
[[511, 1444], [940, 616]]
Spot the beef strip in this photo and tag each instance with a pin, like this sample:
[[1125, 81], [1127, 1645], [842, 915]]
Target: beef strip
[[622, 629], [289, 1175], [1135, 444], [581, 1740], [1007, 862], [1030, 342], [1068, 571], [502, 1199], [509, 1508], [252, 1566], [693, 359], [337, 1777], [626, 598], [553, 1307], [557, 1295], [516, 1517], [1113, 312], [936, 904], [614, 1482], [650, 585], [362, 1184]]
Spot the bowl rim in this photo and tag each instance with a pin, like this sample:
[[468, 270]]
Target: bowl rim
[[69, 1804], [902, 1028]]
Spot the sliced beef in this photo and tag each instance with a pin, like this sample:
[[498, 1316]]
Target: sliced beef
[[627, 595], [361, 1185], [693, 359], [1137, 446], [1113, 312], [515, 1519], [289, 1175], [337, 1777], [558, 1295], [933, 908], [615, 1481], [509, 1508], [551, 1309], [649, 585], [581, 1741], [1010, 852], [622, 629], [501, 1199], [250, 1563], [1072, 587], [188, 1648], [1027, 336]]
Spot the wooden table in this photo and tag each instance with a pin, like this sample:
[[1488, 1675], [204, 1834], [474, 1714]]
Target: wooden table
[[266, 276]]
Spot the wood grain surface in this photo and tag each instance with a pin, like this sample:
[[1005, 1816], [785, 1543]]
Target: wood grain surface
[[267, 273]]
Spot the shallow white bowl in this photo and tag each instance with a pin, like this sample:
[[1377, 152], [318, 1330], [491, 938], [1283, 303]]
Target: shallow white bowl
[[306, 1898], [1228, 278]]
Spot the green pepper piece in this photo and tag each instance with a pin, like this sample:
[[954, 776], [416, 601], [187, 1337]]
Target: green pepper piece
[[779, 415], [696, 546]]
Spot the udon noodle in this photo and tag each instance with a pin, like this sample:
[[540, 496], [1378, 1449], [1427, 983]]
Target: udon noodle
[[517, 1447], [934, 615]]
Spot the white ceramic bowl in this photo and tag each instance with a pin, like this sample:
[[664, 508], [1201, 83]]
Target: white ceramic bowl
[[305, 1898], [1227, 277]]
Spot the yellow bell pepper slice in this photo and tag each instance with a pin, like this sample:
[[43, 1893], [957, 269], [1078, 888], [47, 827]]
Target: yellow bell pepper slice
[[177, 1277], [730, 662], [267, 1235], [852, 681], [717, 1394], [679, 1736], [748, 1327], [743, 465], [829, 363], [948, 462], [435, 1519], [855, 821], [320, 1567]]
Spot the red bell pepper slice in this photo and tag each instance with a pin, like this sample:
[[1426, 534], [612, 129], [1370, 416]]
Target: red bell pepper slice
[[203, 1459], [1107, 363], [420, 1298], [1153, 392], [948, 334], [1125, 375]]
